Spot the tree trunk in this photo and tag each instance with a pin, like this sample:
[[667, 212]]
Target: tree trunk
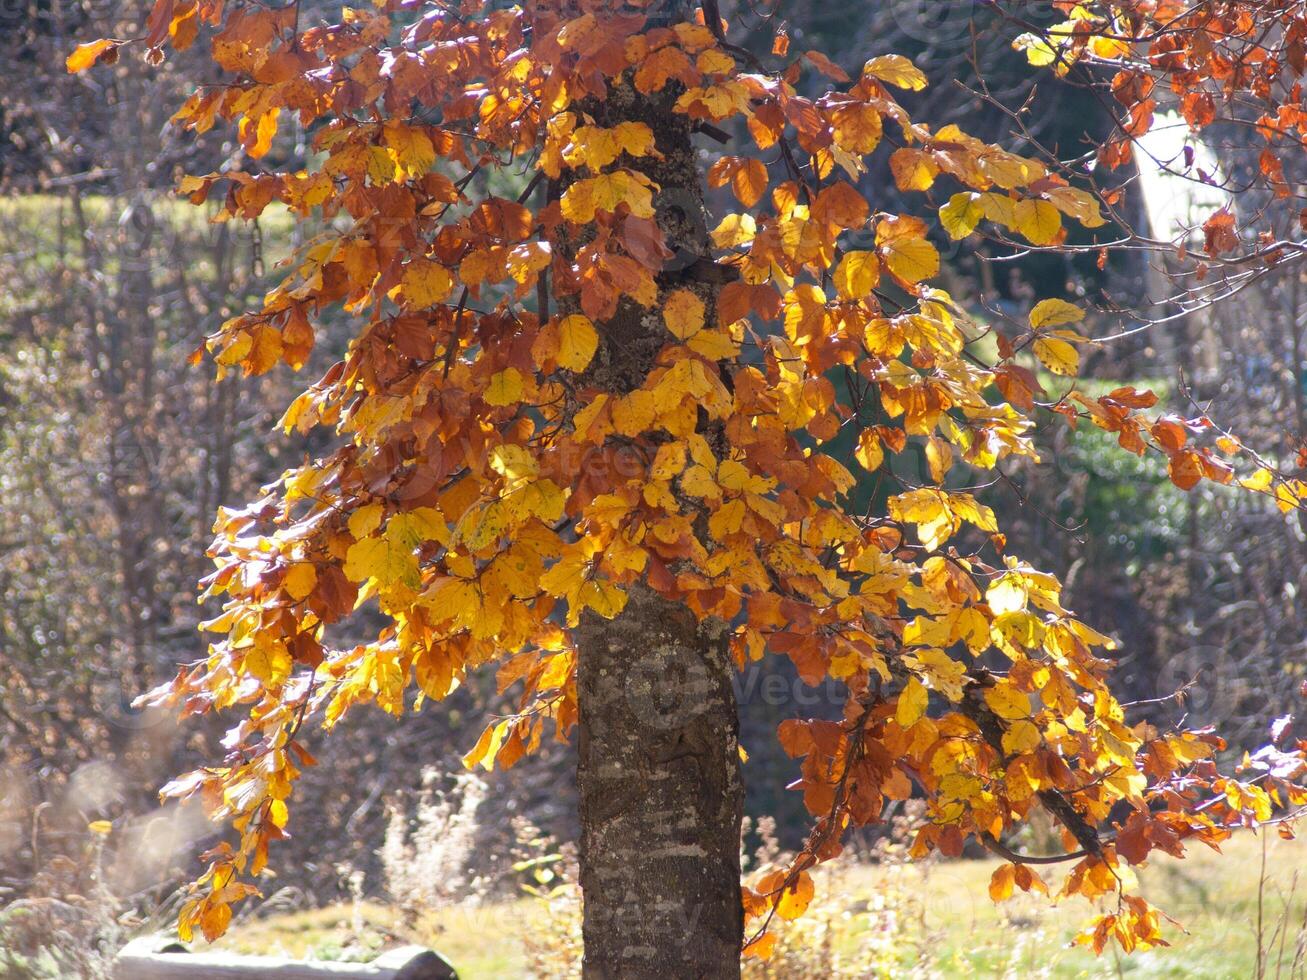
[[660, 794], [661, 798]]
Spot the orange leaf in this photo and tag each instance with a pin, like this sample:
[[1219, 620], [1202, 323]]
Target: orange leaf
[[684, 314], [1000, 884], [794, 900], [86, 55]]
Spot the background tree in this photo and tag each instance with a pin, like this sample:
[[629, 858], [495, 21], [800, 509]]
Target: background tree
[[567, 430]]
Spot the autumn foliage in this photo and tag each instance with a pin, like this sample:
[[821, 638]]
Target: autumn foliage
[[487, 487]]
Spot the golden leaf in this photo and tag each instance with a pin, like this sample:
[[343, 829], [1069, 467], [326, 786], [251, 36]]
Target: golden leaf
[[425, 283], [1001, 882], [1006, 701], [912, 703], [795, 899], [86, 55], [577, 342], [300, 580], [1054, 313], [504, 388], [961, 214], [1039, 221], [857, 274], [896, 70], [902, 243], [1058, 356]]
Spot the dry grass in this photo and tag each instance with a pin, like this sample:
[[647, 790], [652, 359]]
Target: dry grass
[[1216, 898]]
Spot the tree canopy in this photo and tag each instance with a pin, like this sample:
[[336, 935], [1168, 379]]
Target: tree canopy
[[576, 384]]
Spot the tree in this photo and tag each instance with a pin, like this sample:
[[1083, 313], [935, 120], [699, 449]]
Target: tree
[[581, 435]]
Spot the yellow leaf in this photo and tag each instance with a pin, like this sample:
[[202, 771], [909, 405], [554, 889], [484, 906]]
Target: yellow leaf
[[749, 182], [1054, 313], [1058, 356], [902, 243], [961, 214], [1007, 702], [365, 520], [278, 813], [912, 703], [596, 147], [971, 626], [1019, 628], [1038, 51], [944, 673], [714, 62], [425, 283], [939, 457], [483, 753], [300, 580], [411, 146], [1078, 204], [735, 229], [896, 70], [577, 342], [669, 461], [269, 663], [698, 482], [857, 275], [1289, 498], [858, 127], [504, 388], [409, 529], [929, 510], [514, 462], [86, 55], [726, 519], [606, 193], [965, 506], [1008, 594], [264, 132], [914, 170], [382, 560], [716, 345], [603, 597], [634, 413], [869, 452], [1039, 221], [1022, 737], [101, 827], [683, 312], [1261, 479]]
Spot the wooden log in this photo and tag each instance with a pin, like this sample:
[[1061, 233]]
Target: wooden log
[[156, 958]]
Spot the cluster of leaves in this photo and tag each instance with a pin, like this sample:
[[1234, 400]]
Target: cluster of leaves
[[488, 489], [1239, 62]]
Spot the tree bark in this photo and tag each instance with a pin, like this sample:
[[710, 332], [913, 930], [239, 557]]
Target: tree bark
[[661, 799], [660, 794]]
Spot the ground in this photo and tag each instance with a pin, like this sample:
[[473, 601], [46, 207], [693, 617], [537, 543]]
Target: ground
[[1215, 897]]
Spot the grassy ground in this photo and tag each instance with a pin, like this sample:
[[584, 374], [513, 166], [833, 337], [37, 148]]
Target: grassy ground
[[1215, 897]]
